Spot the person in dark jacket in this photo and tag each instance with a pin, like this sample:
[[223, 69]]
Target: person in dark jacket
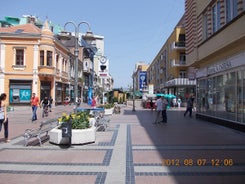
[[189, 106]]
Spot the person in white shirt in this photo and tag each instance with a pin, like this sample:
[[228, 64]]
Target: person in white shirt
[[179, 102], [158, 109], [3, 116]]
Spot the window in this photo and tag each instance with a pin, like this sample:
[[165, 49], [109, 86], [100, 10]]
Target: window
[[216, 17], [182, 58], [41, 58], [182, 74], [181, 37], [205, 27], [231, 10], [57, 61], [64, 65], [49, 58], [19, 57]]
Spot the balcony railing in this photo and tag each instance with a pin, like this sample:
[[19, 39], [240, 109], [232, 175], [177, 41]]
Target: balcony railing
[[178, 45], [57, 71], [64, 74], [178, 62], [46, 70], [180, 82]]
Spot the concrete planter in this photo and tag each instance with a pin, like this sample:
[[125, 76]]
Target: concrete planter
[[79, 136], [109, 111]]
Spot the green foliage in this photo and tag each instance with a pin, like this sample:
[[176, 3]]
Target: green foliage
[[79, 120], [115, 99], [106, 106]]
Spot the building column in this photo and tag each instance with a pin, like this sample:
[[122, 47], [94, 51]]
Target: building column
[[35, 70]]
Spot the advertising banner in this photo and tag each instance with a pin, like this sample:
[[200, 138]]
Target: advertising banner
[[142, 80]]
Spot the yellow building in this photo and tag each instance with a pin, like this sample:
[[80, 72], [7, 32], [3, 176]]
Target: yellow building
[[215, 37], [168, 72], [32, 60]]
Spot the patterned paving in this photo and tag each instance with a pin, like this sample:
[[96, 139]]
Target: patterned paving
[[133, 150]]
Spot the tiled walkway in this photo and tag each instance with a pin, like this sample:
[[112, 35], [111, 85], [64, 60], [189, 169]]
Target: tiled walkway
[[132, 150]]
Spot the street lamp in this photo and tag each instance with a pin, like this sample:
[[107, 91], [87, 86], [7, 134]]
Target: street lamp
[[133, 94], [89, 37]]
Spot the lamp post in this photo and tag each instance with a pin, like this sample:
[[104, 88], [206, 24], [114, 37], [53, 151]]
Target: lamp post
[[133, 94], [88, 36]]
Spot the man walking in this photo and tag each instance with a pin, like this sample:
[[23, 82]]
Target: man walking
[[189, 106], [158, 109], [34, 105], [164, 110]]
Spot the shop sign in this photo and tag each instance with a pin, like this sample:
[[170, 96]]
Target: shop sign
[[151, 88], [220, 67]]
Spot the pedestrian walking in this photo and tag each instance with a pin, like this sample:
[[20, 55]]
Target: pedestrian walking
[[158, 109], [151, 104], [45, 104], [189, 106], [164, 110], [50, 103], [94, 101], [179, 102], [67, 100], [34, 105], [3, 116], [174, 101]]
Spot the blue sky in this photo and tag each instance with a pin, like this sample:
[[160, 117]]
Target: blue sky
[[133, 30]]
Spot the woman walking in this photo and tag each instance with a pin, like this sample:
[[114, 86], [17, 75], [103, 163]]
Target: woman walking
[[3, 116]]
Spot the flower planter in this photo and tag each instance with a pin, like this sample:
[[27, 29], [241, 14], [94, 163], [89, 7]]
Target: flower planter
[[79, 136], [109, 111]]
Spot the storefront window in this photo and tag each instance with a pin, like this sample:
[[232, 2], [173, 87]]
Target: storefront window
[[58, 93], [219, 96], [241, 96], [201, 95], [210, 97], [230, 95], [223, 96], [243, 99], [20, 92]]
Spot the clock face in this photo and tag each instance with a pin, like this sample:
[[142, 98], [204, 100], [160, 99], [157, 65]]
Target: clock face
[[103, 60]]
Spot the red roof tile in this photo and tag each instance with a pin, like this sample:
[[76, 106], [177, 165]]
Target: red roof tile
[[27, 28]]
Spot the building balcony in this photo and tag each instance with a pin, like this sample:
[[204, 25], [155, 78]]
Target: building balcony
[[180, 82], [46, 70], [57, 71], [178, 45], [64, 74], [87, 65], [178, 63]]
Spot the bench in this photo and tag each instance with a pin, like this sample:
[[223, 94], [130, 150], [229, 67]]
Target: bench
[[44, 128]]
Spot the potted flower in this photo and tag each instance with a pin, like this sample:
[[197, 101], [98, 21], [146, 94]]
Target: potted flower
[[109, 108], [80, 120], [83, 129]]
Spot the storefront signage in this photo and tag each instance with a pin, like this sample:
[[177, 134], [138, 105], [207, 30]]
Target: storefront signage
[[229, 63], [220, 67], [103, 67], [151, 88]]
